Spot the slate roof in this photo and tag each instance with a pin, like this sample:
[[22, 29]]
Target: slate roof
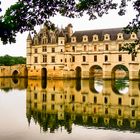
[[100, 32]]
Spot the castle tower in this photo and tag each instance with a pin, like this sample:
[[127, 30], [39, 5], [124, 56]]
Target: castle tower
[[28, 51]]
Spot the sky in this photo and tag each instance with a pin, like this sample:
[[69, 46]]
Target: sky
[[111, 20]]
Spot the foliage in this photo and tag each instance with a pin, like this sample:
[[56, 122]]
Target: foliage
[[9, 60], [25, 14]]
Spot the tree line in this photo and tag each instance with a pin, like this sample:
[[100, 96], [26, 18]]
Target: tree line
[[11, 60]]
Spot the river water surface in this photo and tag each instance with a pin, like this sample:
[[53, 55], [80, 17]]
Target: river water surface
[[69, 109]]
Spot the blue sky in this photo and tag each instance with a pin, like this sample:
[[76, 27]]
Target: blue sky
[[111, 20]]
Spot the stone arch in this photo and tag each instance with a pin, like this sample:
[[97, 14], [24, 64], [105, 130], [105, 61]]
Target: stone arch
[[78, 72], [120, 71], [15, 73], [95, 71]]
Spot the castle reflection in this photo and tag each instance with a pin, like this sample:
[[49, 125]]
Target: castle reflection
[[55, 104]]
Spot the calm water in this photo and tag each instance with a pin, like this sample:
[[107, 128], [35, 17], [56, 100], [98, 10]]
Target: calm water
[[69, 109]]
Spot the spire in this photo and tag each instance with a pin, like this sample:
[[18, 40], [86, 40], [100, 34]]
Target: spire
[[29, 37]]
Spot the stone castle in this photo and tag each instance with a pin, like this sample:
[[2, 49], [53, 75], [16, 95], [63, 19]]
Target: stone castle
[[63, 53]]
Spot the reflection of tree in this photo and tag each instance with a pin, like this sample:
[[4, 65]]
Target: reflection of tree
[[51, 123], [119, 84]]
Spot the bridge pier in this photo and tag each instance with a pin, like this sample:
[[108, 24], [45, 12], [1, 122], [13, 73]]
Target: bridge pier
[[107, 71], [133, 71]]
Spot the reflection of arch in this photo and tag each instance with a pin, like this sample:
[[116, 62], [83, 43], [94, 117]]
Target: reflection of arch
[[120, 71], [92, 85], [95, 70], [78, 84], [43, 83], [120, 86], [15, 80], [78, 72], [44, 73], [15, 73]]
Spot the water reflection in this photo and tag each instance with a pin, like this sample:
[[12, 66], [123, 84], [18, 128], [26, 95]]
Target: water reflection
[[7, 84], [64, 103]]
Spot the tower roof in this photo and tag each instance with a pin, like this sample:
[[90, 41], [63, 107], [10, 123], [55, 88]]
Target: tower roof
[[29, 37]]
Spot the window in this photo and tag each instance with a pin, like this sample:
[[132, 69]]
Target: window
[[106, 47], [52, 107], [132, 101], [73, 98], [53, 49], [119, 112], [65, 59], [52, 97], [44, 98], [119, 101], [95, 58], [120, 58], [120, 47], [73, 48], [61, 60], [106, 111], [95, 99], [35, 96], [133, 113], [84, 98], [44, 41], [44, 49], [105, 100], [85, 47], [133, 57], [73, 58], [84, 58], [53, 59], [44, 58], [106, 58], [61, 50], [35, 50], [35, 59], [95, 48]]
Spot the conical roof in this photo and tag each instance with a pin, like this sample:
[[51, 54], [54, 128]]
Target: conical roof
[[29, 37]]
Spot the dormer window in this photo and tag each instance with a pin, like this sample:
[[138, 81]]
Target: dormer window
[[106, 37], [73, 39], [119, 36], [95, 37], [35, 41], [85, 38], [133, 36]]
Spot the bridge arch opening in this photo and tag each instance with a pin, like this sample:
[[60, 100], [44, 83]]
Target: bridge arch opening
[[15, 73], [95, 71], [120, 71], [78, 72]]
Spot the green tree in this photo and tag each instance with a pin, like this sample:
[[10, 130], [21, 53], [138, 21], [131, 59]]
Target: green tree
[[9, 60], [25, 14]]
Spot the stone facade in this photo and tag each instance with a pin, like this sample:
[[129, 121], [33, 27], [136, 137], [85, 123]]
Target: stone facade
[[82, 54], [13, 71]]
